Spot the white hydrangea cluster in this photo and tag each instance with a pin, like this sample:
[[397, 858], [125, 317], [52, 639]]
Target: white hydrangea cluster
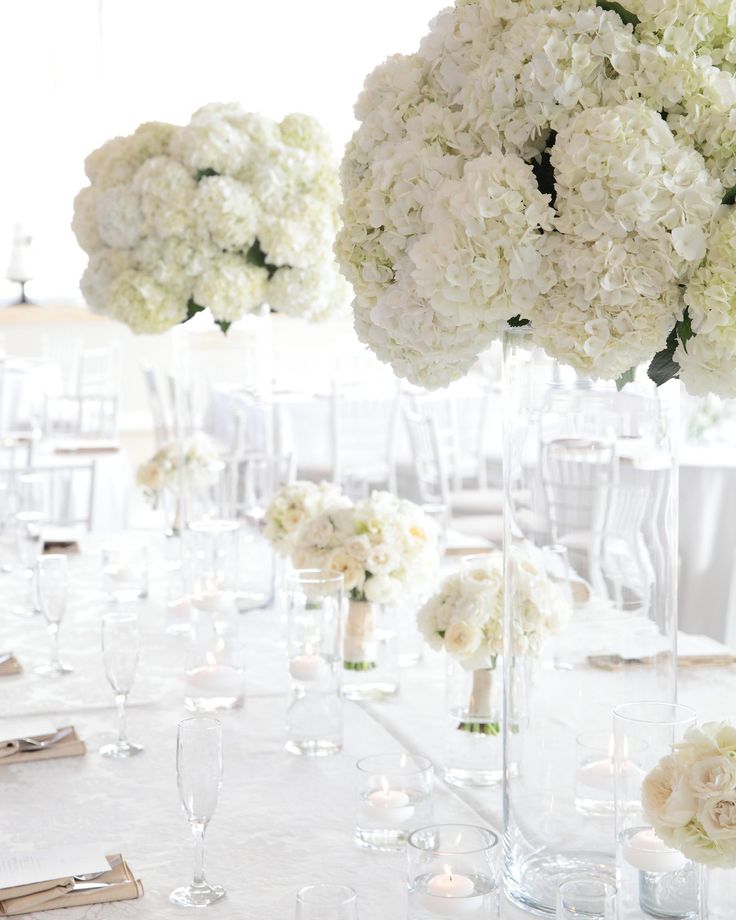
[[690, 796], [549, 160], [386, 548], [465, 616], [219, 214]]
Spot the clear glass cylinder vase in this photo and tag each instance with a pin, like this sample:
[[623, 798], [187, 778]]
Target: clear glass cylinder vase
[[473, 740], [593, 469], [370, 651]]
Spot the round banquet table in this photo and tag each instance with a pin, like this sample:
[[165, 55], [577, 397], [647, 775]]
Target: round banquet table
[[282, 821]]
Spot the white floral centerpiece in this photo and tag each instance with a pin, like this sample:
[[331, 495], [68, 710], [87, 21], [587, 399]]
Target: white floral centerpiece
[[690, 796], [465, 618], [564, 165], [293, 505], [385, 548], [197, 453], [226, 213]]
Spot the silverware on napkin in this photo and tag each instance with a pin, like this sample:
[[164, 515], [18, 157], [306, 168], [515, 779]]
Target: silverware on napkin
[[39, 744], [617, 662]]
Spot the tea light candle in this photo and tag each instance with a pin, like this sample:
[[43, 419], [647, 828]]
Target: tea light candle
[[389, 807], [178, 610], [123, 573], [646, 852], [215, 680], [451, 895], [307, 668]]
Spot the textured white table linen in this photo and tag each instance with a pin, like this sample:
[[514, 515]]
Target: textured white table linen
[[282, 822]]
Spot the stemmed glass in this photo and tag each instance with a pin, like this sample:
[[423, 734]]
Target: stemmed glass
[[120, 649], [52, 581], [199, 777], [29, 545], [326, 902]]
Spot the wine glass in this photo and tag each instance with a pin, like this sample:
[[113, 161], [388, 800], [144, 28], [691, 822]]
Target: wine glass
[[199, 777], [52, 582], [326, 902], [120, 648], [29, 546]]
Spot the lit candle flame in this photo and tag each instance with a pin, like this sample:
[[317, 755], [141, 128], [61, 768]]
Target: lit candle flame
[[210, 658], [448, 872], [384, 784]]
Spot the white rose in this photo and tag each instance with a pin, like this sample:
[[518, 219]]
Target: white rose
[[462, 639], [712, 776], [717, 814], [349, 567], [667, 798]]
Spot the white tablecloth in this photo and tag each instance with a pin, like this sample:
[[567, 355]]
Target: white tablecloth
[[282, 822]]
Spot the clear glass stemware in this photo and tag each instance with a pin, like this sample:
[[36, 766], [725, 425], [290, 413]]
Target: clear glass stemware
[[199, 777], [120, 650], [52, 581]]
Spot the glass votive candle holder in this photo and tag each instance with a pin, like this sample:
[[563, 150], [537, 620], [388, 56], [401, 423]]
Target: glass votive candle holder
[[212, 550], [314, 612], [215, 674], [394, 797], [177, 605], [594, 773], [653, 878], [587, 898], [453, 872], [125, 573], [326, 902]]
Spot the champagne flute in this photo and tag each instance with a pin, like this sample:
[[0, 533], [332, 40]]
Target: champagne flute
[[199, 777], [120, 648], [52, 582], [326, 902], [29, 546]]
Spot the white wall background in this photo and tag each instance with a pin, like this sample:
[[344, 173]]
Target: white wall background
[[77, 72]]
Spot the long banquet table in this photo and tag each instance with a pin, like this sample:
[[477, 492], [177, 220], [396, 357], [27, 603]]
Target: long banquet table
[[282, 822]]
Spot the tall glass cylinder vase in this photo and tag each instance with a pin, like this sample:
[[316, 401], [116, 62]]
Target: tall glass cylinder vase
[[593, 469], [473, 747]]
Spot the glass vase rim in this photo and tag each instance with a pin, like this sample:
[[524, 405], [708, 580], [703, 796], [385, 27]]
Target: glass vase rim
[[491, 837], [211, 526], [420, 763], [608, 888], [205, 721], [314, 576], [54, 557], [351, 895], [119, 616], [682, 713]]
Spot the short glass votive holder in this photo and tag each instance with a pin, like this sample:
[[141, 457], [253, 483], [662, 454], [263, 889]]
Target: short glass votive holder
[[214, 678], [177, 606], [212, 551], [653, 878], [125, 573], [594, 773], [586, 898], [314, 715], [453, 871], [394, 797], [326, 902]]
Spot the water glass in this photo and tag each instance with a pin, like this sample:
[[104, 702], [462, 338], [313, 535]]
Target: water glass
[[120, 650], [587, 898], [326, 902], [315, 711], [453, 871], [177, 606], [125, 573], [212, 547], [199, 778], [394, 798], [52, 581]]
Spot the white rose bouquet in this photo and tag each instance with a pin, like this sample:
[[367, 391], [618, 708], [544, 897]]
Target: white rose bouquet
[[690, 796], [386, 549], [198, 452], [566, 165], [293, 505], [226, 213], [465, 617]]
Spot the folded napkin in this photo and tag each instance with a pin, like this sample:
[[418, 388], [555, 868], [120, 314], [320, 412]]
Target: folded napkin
[[65, 742], [87, 447], [9, 664], [68, 547], [118, 884]]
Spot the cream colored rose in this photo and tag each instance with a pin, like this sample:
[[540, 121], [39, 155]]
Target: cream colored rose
[[381, 559], [717, 814], [712, 776], [150, 476], [292, 518], [666, 795], [462, 639], [351, 569], [318, 532]]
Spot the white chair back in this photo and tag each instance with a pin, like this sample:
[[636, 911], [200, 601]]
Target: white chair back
[[97, 372], [83, 417], [363, 438], [430, 469], [158, 404]]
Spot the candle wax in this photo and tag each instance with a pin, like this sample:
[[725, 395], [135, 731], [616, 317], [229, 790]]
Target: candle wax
[[451, 896], [646, 852], [215, 680], [307, 668], [388, 807]]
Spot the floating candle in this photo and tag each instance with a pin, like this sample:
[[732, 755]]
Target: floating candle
[[307, 668], [387, 807], [645, 851]]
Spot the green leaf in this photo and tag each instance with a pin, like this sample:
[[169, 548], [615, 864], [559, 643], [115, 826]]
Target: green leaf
[[613, 7], [663, 366], [517, 321], [626, 377], [730, 196], [256, 256], [224, 324], [192, 309], [203, 173]]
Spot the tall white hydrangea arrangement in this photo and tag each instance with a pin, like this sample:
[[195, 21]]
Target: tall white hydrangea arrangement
[[562, 164], [226, 213]]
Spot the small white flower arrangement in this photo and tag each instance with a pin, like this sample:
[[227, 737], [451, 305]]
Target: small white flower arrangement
[[198, 452], [690, 796], [226, 213], [293, 505]]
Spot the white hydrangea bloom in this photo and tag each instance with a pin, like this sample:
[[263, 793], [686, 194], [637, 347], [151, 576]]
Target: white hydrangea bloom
[[707, 361], [230, 288], [625, 133], [198, 209]]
